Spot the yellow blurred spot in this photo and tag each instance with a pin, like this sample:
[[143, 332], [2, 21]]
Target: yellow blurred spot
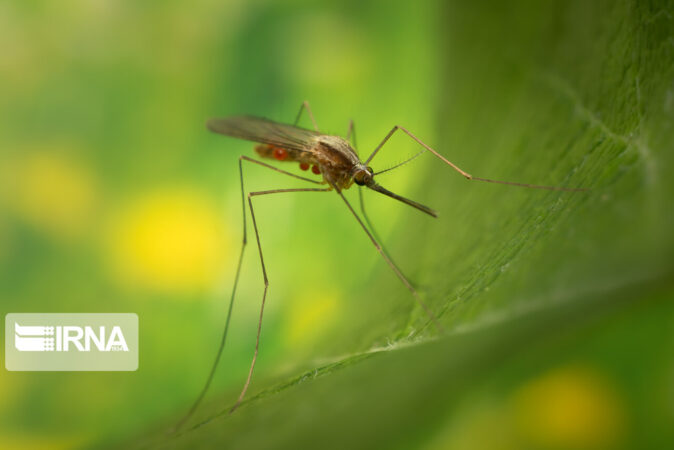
[[571, 408], [479, 426], [170, 241], [310, 316], [51, 191]]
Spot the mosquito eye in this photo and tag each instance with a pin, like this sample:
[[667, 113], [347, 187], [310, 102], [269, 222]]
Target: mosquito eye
[[362, 177]]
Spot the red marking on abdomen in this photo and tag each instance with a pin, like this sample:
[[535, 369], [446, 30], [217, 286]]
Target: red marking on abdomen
[[315, 169], [280, 154], [304, 166]]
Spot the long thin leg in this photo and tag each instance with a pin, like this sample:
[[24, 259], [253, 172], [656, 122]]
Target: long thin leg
[[305, 105], [211, 374], [395, 269], [268, 166], [462, 172], [351, 134], [266, 280], [361, 199]]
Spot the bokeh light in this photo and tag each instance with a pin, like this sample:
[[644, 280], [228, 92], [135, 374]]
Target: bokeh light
[[171, 240]]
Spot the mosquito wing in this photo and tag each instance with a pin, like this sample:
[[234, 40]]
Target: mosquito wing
[[265, 131]]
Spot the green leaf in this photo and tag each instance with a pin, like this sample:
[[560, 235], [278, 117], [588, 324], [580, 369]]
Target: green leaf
[[536, 288]]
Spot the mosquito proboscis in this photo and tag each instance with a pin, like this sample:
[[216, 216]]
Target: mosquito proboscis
[[337, 163]]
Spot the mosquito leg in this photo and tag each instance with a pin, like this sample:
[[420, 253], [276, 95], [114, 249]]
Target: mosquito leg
[[305, 105], [351, 133], [395, 269], [462, 172], [361, 199], [268, 166], [236, 282], [351, 136], [266, 280]]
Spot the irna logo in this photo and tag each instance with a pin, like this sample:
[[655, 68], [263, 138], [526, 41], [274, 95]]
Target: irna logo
[[71, 341], [61, 339]]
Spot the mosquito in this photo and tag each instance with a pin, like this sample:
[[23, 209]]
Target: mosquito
[[336, 161]]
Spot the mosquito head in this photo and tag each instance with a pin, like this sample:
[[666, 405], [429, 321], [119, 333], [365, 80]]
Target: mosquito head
[[363, 176]]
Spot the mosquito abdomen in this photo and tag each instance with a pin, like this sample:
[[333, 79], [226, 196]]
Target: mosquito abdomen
[[277, 153]]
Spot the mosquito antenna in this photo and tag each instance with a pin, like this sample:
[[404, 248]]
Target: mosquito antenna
[[401, 164]]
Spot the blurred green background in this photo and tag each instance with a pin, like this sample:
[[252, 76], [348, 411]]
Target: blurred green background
[[114, 198]]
